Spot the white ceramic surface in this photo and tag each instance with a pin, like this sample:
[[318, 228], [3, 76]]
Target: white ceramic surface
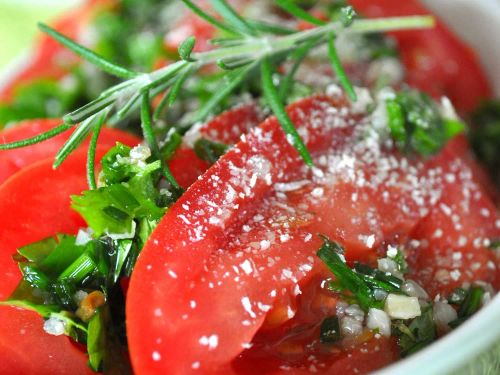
[[477, 22]]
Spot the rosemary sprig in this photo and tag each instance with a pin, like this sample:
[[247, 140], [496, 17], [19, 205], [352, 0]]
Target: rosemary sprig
[[251, 46]]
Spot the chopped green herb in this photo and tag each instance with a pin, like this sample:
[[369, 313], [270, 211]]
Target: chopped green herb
[[331, 253], [469, 305], [416, 125], [418, 334], [209, 150], [330, 330], [457, 296]]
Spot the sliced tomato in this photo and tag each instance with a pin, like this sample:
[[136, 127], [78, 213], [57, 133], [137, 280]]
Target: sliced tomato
[[456, 233], [436, 60], [50, 60], [26, 349], [226, 128], [13, 160], [35, 204], [231, 254]]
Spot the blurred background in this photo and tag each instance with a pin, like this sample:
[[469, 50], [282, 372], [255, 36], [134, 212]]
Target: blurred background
[[18, 20]]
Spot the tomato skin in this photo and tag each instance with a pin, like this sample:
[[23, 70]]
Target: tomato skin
[[35, 204], [13, 160], [226, 128], [191, 302], [436, 61]]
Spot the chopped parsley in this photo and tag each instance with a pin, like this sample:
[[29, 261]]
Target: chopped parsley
[[419, 333], [73, 281], [363, 283], [416, 124]]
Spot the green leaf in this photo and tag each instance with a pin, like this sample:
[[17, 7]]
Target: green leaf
[[209, 150], [42, 310], [186, 47], [232, 17], [92, 150], [272, 97], [96, 340], [147, 129], [298, 12], [416, 124], [61, 256], [202, 14], [298, 56], [177, 86], [233, 80], [36, 252], [118, 258], [484, 136], [331, 254], [418, 334], [87, 54], [338, 69], [378, 279], [36, 139]]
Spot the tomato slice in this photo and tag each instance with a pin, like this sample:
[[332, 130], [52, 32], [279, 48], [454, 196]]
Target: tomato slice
[[35, 204], [457, 231], [436, 61], [13, 160], [26, 349], [226, 128], [237, 245]]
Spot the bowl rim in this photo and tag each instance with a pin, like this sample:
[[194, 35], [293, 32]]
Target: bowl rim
[[442, 356]]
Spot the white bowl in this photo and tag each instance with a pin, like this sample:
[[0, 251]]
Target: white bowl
[[478, 23]]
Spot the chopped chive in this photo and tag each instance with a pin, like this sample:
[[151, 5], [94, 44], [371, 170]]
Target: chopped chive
[[35, 277], [472, 302], [330, 330], [338, 69], [79, 269], [87, 54], [348, 279], [273, 99], [298, 12], [36, 139]]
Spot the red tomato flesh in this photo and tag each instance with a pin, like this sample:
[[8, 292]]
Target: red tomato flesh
[[225, 128], [240, 244], [13, 160]]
